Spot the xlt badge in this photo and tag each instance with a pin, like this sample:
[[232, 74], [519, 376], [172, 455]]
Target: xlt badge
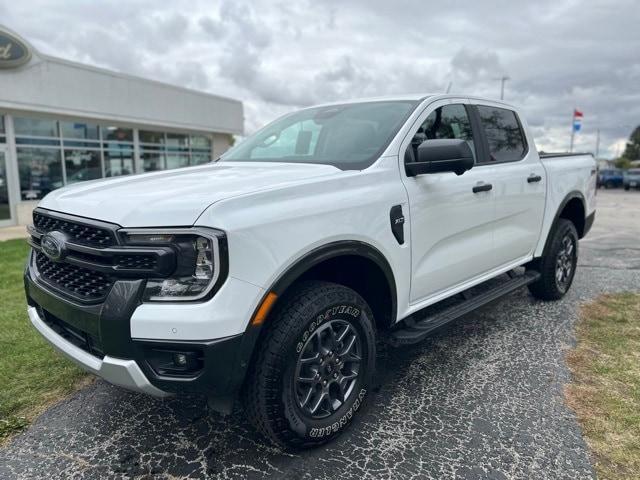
[[397, 223]]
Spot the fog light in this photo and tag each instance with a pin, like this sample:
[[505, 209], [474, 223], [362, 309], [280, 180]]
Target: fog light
[[171, 362], [180, 359]]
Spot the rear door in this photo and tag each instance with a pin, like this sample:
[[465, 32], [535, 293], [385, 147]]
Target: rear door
[[451, 225], [519, 182]]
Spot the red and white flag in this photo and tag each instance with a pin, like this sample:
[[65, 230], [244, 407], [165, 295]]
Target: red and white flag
[[577, 113]]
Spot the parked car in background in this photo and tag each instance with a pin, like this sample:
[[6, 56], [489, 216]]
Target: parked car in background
[[632, 178], [610, 178]]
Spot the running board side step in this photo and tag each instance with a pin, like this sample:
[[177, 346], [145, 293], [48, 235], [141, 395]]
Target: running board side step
[[414, 332]]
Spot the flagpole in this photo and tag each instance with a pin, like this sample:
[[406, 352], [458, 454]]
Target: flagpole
[[573, 129]]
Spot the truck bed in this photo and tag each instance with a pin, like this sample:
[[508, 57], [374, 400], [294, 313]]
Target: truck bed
[[567, 173]]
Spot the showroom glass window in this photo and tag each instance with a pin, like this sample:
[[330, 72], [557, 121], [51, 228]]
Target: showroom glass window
[[152, 150], [117, 145], [200, 149], [81, 150], [35, 127], [39, 154], [177, 150], [52, 153], [166, 150]]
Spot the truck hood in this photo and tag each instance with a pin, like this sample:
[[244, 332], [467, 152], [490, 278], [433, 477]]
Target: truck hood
[[175, 197]]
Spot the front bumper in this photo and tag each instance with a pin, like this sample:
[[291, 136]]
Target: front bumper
[[124, 373], [98, 338]]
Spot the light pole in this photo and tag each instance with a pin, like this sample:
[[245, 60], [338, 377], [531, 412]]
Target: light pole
[[503, 79]]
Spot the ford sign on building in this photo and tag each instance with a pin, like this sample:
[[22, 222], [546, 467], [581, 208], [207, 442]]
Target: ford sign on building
[[13, 52], [62, 122]]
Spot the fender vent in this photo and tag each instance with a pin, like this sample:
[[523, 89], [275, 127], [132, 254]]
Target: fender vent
[[397, 223]]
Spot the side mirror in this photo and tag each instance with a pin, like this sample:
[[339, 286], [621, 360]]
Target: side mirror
[[441, 155]]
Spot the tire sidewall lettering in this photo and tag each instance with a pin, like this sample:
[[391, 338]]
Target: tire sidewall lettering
[[303, 427], [338, 425], [330, 312]]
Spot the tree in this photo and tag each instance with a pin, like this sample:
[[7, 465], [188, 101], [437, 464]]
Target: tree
[[623, 163], [632, 151]]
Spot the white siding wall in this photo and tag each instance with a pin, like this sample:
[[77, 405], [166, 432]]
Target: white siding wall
[[48, 86], [56, 86]]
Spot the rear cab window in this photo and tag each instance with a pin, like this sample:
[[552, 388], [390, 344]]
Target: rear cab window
[[504, 134]]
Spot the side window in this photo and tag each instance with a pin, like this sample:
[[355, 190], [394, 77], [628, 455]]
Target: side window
[[448, 121], [299, 139], [504, 134]]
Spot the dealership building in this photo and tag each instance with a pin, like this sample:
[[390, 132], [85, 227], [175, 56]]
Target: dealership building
[[63, 122]]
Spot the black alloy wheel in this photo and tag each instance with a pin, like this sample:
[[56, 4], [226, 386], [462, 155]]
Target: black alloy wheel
[[565, 263], [558, 264], [327, 369], [314, 366]]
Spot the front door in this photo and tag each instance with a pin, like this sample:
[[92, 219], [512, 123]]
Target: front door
[[451, 224], [5, 205]]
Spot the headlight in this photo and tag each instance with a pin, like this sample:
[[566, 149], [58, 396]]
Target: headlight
[[198, 261]]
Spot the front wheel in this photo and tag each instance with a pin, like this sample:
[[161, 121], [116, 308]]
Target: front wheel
[[314, 367], [558, 265]]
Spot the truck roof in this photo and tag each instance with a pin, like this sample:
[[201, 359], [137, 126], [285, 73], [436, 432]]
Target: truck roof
[[412, 97]]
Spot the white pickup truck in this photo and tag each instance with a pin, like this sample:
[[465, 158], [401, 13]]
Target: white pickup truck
[[271, 273]]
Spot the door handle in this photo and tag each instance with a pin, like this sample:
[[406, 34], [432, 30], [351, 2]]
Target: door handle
[[485, 187], [534, 178]]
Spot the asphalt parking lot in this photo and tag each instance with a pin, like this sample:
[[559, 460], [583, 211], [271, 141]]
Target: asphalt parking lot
[[481, 398]]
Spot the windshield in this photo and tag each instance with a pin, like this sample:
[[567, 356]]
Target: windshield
[[350, 137]]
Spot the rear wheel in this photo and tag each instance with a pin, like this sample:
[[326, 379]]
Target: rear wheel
[[314, 367], [558, 266], [627, 187]]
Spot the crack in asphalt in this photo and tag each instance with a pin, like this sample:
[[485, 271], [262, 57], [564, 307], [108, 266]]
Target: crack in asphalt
[[611, 268], [614, 249], [481, 398]]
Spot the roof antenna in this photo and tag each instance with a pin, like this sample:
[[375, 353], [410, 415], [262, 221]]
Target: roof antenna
[[449, 87]]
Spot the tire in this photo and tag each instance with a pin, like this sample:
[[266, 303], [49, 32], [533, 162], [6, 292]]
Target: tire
[[558, 265], [609, 184], [627, 187], [310, 320]]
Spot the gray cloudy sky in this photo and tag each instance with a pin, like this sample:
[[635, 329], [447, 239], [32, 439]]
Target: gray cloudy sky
[[276, 56]]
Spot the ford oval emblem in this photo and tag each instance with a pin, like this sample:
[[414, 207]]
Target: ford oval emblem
[[13, 51], [53, 245]]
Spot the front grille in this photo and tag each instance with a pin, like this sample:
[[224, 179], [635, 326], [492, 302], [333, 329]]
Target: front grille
[[79, 282], [136, 262], [77, 231], [87, 342], [91, 258]]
